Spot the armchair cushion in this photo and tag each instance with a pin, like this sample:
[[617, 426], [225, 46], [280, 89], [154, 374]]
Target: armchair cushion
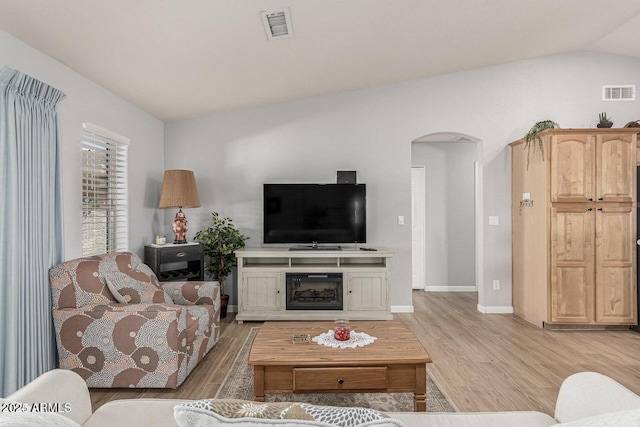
[[134, 282], [127, 288]]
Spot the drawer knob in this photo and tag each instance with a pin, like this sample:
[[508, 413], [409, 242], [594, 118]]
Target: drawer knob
[[181, 254], [340, 381]]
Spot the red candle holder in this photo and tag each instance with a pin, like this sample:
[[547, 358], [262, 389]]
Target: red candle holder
[[342, 330]]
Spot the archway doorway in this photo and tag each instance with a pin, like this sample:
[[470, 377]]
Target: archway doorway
[[446, 212]]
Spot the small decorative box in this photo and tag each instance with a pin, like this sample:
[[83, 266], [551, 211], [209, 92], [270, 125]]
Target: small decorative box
[[301, 339]]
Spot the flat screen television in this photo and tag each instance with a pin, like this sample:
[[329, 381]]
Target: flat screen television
[[315, 213]]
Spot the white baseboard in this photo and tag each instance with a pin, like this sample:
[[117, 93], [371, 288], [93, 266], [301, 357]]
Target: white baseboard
[[450, 289], [495, 310], [232, 308], [402, 309]]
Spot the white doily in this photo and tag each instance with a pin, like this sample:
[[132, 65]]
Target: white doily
[[357, 339]]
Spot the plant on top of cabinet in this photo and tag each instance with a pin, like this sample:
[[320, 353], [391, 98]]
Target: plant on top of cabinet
[[220, 240], [533, 138], [604, 121]]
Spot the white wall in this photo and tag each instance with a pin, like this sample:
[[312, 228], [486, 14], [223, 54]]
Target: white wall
[[371, 131], [449, 212], [86, 101]]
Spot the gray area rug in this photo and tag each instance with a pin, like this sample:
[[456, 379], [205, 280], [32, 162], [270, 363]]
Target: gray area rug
[[238, 384]]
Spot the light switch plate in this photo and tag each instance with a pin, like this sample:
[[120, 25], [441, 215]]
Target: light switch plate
[[526, 196], [494, 220]]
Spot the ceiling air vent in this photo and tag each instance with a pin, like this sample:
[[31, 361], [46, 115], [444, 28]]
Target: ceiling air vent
[[619, 93], [277, 23]]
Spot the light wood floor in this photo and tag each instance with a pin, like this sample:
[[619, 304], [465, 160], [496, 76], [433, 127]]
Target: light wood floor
[[492, 362]]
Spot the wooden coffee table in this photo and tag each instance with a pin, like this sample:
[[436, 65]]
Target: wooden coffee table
[[394, 363]]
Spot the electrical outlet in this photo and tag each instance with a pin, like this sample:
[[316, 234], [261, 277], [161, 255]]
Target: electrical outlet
[[494, 220], [496, 285], [400, 220]]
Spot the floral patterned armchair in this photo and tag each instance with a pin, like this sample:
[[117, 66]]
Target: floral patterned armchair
[[117, 326]]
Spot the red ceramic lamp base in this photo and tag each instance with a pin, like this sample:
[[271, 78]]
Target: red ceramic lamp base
[[180, 227]]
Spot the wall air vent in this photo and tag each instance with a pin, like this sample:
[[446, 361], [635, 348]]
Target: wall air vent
[[277, 23], [619, 93]]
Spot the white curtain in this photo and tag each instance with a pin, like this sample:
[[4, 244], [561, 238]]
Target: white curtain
[[31, 237]]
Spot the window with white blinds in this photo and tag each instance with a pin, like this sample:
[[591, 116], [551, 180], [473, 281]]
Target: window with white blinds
[[104, 191]]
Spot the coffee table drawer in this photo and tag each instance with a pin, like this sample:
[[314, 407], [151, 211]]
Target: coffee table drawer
[[365, 378]]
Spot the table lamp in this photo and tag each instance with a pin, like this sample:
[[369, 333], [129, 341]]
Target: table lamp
[[179, 191]]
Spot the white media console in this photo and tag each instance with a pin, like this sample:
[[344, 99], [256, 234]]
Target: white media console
[[280, 284]]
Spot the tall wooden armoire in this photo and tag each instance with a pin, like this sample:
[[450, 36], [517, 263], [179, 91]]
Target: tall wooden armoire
[[574, 228]]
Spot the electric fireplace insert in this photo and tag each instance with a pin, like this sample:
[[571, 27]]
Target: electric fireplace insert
[[314, 291]]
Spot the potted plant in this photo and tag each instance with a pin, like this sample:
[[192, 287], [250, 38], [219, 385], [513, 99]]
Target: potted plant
[[533, 138], [220, 240], [604, 121]]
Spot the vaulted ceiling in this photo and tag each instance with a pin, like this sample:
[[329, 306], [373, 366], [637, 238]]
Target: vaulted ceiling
[[184, 58]]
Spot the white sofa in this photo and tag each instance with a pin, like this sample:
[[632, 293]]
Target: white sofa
[[584, 399]]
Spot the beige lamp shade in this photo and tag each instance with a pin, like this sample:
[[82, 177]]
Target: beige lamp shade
[[179, 190]]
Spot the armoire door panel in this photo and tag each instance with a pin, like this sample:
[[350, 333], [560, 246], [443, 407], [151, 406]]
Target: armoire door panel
[[572, 168], [615, 235], [615, 296], [615, 168], [572, 267], [615, 265], [572, 295], [572, 235]]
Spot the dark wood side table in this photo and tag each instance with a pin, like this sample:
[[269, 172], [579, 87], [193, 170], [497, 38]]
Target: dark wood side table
[[175, 262]]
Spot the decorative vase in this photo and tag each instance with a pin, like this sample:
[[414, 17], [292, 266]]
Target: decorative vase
[[605, 125]]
